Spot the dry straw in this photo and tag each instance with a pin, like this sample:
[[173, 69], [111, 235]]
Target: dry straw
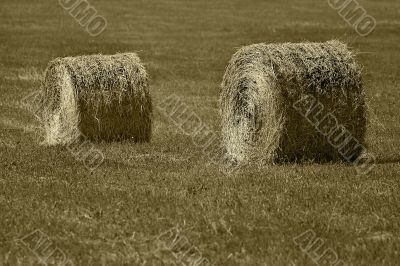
[[261, 84], [100, 97]]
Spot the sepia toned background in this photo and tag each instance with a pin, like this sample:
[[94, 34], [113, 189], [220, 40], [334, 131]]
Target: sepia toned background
[[115, 214]]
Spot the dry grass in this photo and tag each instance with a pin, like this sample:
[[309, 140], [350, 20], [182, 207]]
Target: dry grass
[[100, 97], [143, 190], [260, 86]]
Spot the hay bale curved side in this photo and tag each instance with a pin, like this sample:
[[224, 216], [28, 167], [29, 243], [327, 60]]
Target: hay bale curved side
[[260, 86], [99, 97]]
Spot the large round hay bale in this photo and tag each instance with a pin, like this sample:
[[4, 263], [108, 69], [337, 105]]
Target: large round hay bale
[[262, 89], [99, 97]]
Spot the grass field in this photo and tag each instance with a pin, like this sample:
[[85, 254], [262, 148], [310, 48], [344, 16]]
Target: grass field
[[113, 215]]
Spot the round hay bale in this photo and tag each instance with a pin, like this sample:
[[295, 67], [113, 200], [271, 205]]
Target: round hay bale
[[264, 83], [98, 97]]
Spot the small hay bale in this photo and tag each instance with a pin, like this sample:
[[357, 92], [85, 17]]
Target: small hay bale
[[263, 83], [99, 97]]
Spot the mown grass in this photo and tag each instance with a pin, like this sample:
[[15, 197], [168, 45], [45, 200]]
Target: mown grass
[[112, 216]]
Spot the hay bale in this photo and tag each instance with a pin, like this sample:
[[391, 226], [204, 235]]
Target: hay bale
[[100, 97], [264, 82]]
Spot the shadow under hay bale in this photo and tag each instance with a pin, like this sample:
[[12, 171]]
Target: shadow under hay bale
[[97, 97], [261, 87]]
